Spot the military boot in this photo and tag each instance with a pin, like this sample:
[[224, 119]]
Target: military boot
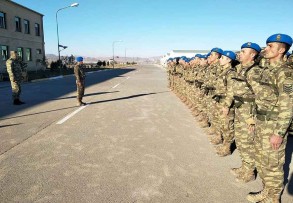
[[17, 102], [223, 150], [236, 171], [204, 124], [195, 112], [271, 199], [211, 131], [245, 176], [217, 139], [257, 196]]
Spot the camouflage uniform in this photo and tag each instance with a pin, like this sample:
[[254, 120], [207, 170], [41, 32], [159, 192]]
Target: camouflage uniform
[[274, 100], [244, 102], [15, 76], [202, 99], [80, 78], [225, 123]]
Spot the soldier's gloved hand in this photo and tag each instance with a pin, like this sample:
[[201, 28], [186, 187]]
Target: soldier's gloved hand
[[276, 141]]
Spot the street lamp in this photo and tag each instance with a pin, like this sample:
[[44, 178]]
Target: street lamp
[[113, 51], [72, 5]]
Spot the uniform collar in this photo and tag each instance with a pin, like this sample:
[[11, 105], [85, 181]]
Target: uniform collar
[[276, 64], [248, 64]]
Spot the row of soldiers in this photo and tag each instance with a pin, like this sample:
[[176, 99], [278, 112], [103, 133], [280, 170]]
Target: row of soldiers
[[246, 97]]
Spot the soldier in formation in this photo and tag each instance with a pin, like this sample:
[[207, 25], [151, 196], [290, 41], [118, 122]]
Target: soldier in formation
[[250, 103]]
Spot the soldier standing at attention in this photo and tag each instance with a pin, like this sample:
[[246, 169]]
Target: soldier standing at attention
[[243, 97], [15, 76], [223, 85], [80, 79], [274, 101]]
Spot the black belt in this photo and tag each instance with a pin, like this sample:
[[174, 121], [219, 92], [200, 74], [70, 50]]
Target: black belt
[[266, 115], [243, 99]]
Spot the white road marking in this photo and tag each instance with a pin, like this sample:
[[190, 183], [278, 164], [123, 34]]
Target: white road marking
[[70, 115], [116, 86]]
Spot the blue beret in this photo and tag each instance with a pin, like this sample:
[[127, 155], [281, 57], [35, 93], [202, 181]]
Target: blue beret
[[202, 56], [79, 59], [282, 38], [182, 57], [208, 54], [288, 54], [197, 55], [218, 50], [251, 45], [230, 54]]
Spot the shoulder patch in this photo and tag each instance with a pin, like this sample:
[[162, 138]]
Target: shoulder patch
[[288, 74], [288, 88]]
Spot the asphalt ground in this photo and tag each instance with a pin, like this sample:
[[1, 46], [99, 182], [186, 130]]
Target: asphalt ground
[[134, 142]]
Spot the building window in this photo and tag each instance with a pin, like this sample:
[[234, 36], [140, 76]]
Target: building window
[[28, 54], [20, 53], [4, 52], [17, 24], [39, 51], [2, 20], [37, 29], [26, 26]]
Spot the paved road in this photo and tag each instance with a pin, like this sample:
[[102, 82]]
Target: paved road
[[135, 142]]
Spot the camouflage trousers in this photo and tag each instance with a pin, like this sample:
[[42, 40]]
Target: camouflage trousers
[[244, 139], [80, 91], [211, 109], [16, 90], [225, 124], [269, 162], [202, 103]]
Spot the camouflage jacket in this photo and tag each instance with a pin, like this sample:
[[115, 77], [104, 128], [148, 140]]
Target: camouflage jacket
[[241, 85], [274, 94], [79, 73], [210, 76], [14, 70], [224, 82]]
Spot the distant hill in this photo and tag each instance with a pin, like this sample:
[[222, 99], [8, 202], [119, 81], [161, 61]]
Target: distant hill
[[156, 59]]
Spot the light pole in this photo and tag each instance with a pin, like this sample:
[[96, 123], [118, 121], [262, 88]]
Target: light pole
[[113, 51], [72, 5], [125, 56]]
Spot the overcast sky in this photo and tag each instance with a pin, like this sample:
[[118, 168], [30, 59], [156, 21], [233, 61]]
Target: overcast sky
[[154, 27]]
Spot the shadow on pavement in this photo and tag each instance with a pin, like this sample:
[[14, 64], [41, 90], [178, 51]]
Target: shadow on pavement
[[128, 97], [51, 90], [86, 95], [288, 160], [4, 126], [37, 113]]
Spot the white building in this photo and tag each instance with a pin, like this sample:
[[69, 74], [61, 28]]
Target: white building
[[179, 53]]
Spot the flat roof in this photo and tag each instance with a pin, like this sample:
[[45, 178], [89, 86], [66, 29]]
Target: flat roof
[[24, 7]]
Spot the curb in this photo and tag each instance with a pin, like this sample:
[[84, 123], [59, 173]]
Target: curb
[[54, 78]]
